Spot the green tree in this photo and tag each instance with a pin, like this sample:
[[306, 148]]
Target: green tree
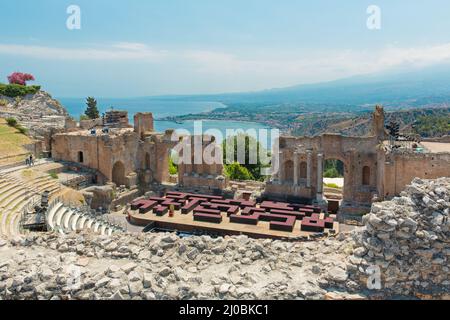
[[173, 168], [251, 147], [235, 171], [92, 110], [333, 169]]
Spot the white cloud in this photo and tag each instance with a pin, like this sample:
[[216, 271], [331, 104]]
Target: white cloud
[[232, 71], [120, 51]]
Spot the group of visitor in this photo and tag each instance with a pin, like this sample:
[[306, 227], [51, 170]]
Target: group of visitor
[[29, 161]]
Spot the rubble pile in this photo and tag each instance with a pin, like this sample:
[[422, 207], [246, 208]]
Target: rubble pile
[[408, 240]]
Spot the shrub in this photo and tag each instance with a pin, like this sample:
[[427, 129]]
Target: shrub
[[173, 169], [53, 175], [3, 102], [237, 172], [84, 117], [252, 146], [22, 130], [331, 173], [20, 78], [17, 90], [11, 122]]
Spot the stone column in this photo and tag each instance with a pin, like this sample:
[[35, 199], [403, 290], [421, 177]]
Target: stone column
[[296, 159], [308, 169], [281, 169], [319, 177]]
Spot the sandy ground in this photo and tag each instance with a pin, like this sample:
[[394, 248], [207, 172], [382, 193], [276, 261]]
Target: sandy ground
[[338, 181], [436, 146]]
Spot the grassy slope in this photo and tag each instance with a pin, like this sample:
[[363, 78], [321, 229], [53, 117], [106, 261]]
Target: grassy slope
[[11, 144]]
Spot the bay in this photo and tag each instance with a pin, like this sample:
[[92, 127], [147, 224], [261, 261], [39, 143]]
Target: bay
[[166, 108]]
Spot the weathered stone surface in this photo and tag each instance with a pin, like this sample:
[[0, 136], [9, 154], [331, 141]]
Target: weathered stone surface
[[412, 261]]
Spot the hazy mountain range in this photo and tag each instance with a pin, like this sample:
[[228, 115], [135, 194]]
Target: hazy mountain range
[[430, 85]]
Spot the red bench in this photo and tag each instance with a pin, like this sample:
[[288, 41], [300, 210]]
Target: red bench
[[144, 206], [191, 205], [329, 223], [160, 210], [251, 220], [287, 224], [269, 205], [204, 217], [168, 203], [248, 211], [202, 209], [137, 204], [313, 225], [297, 215], [227, 208]]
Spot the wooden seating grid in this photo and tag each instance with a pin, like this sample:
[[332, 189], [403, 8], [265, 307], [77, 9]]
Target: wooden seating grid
[[281, 216]]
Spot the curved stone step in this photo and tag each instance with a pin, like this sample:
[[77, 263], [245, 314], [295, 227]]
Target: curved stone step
[[103, 230], [74, 222], [3, 216], [58, 217], [96, 226], [90, 224], [4, 196], [19, 198], [82, 223], [51, 215], [67, 218], [109, 231]]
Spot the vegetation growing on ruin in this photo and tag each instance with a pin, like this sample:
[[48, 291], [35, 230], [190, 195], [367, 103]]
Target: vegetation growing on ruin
[[17, 90], [333, 169], [53, 175], [243, 171], [173, 168]]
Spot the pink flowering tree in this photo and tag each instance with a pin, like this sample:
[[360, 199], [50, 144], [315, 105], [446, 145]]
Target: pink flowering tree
[[20, 78]]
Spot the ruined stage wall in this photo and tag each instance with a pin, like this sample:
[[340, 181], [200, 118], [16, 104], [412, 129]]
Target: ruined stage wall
[[401, 169]]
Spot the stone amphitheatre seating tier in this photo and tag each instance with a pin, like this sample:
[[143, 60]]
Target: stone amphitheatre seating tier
[[16, 194], [73, 220]]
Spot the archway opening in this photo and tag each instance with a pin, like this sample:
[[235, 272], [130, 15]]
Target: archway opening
[[80, 157], [173, 160], [303, 170], [118, 174], [289, 171], [147, 161], [334, 183], [366, 176]]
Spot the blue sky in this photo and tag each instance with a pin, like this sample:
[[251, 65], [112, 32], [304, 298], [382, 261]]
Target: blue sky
[[131, 48]]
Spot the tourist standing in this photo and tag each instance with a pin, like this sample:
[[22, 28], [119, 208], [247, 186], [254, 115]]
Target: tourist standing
[[31, 160]]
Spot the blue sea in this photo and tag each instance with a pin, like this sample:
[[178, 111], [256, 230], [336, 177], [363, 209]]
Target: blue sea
[[165, 108]]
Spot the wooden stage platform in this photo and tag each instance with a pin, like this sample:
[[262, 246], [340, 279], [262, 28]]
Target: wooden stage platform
[[185, 222]]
